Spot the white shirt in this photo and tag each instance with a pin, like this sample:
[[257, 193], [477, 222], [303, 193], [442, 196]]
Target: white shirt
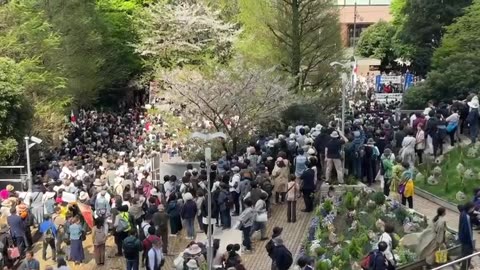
[[385, 237], [144, 226], [235, 181], [151, 257]]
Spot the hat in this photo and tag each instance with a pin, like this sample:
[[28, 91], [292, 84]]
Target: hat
[[236, 169], [192, 264], [318, 127], [271, 143], [370, 141], [311, 151], [473, 103], [194, 249], [292, 136], [334, 134], [83, 196], [277, 231], [98, 182], [9, 188], [387, 151], [188, 196], [4, 228]]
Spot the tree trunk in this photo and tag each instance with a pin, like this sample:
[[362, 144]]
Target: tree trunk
[[296, 46]]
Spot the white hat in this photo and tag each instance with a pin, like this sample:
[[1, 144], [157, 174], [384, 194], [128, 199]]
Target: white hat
[[187, 196], [473, 103], [292, 136], [194, 249], [192, 264], [311, 151], [83, 196], [318, 127], [271, 143], [334, 134], [236, 169]]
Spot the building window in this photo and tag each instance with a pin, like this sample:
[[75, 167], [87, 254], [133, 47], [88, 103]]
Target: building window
[[358, 31]]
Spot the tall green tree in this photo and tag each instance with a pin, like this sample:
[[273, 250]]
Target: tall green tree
[[377, 41], [421, 25], [456, 63], [305, 35]]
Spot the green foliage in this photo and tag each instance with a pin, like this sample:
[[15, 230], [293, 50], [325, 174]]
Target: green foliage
[[379, 198], [349, 201], [302, 37], [422, 27], [377, 42], [327, 206], [355, 248]]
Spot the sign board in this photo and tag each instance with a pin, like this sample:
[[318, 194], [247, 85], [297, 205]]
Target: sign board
[[384, 98], [69, 197], [393, 79]]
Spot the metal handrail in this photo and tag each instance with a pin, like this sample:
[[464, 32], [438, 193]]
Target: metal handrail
[[457, 261]]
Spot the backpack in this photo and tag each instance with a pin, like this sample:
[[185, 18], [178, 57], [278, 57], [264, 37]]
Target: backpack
[[267, 186], [232, 261], [130, 246], [368, 262], [289, 257], [141, 233], [123, 223], [48, 234]]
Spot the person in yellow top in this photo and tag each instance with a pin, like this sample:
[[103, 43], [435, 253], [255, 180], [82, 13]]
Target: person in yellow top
[[407, 187]]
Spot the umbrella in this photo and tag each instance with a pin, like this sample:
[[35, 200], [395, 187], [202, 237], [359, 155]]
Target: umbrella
[[87, 214]]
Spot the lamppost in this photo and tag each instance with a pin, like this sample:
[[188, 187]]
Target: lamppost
[[208, 158], [29, 143]]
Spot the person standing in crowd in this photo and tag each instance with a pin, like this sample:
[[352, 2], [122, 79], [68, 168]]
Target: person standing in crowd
[[333, 155], [199, 200], [235, 190], [246, 222], [77, 235], [282, 256], [99, 237], [452, 125], [155, 256], [386, 166], [49, 233], [465, 233], [122, 227], [224, 201], [261, 218], [17, 230], [387, 237], [160, 221], [280, 176], [369, 160], [293, 192], [188, 214], [269, 247], [420, 143], [300, 163], [173, 211], [407, 186], [308, 187], [131, 250], [433, 239], [408, 148], [473, 118]]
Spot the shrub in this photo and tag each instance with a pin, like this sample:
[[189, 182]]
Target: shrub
[[349, 201]]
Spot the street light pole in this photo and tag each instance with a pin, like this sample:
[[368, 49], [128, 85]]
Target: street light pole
[[29, 171], [208, 158]]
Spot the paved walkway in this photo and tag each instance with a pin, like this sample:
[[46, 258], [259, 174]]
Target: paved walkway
[[293, 235]]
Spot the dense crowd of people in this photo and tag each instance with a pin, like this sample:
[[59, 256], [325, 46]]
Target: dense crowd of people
[[99, 182]]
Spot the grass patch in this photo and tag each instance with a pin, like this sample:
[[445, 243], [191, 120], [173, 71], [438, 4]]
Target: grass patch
[[450, 181]]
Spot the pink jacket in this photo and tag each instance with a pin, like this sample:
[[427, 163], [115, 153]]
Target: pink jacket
[[293, 191]]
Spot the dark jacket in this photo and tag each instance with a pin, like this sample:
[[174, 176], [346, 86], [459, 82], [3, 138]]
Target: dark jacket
[[17, 225], [160, 221], [308, 178], [189, 210], [379, 261], [280, 255], [204, 208], [173, 208], [465, 233]]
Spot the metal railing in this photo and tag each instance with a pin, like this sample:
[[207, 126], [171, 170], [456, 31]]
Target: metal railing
[[458, 261]]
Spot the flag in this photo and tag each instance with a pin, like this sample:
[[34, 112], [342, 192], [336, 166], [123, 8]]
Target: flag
[[73, 119]]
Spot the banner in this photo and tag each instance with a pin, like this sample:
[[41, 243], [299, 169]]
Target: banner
[[384, 98], [408, 81], [393, 79]]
